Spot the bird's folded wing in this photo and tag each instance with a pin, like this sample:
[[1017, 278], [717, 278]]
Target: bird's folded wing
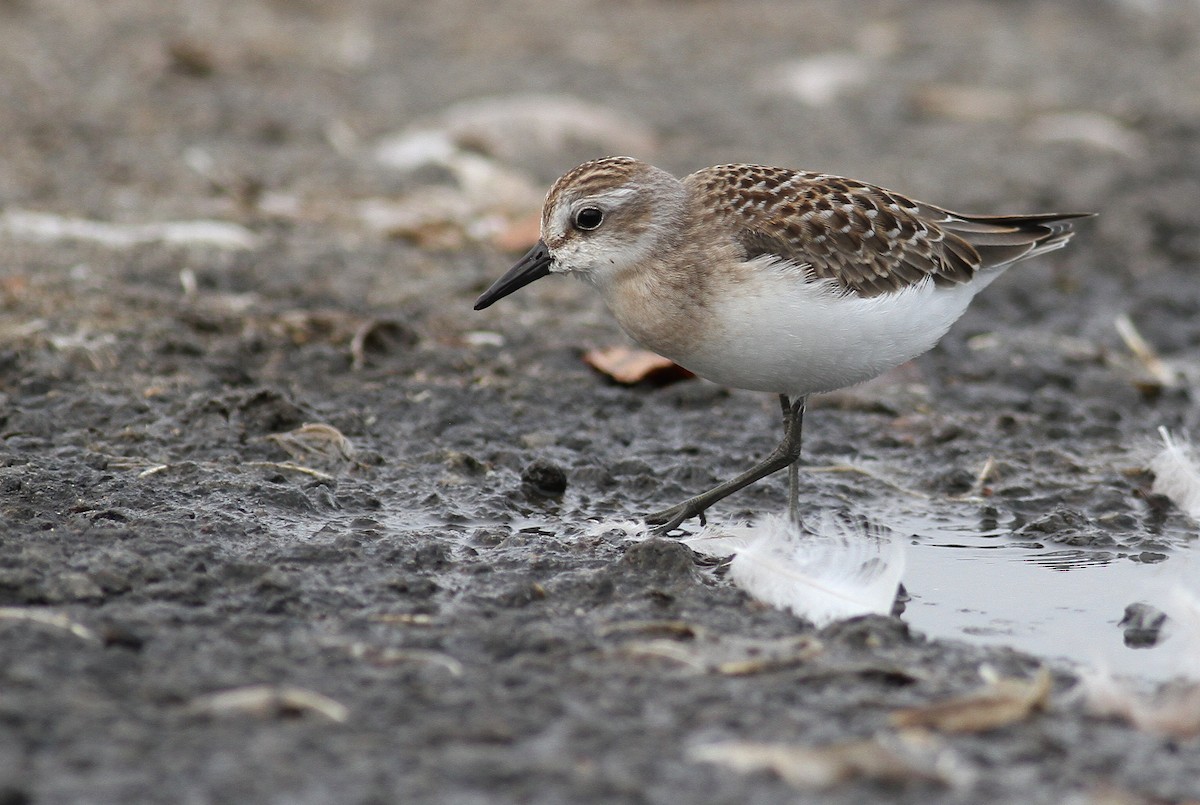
[[869, 240]]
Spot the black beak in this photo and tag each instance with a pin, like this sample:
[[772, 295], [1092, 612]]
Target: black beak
[[534, 265]]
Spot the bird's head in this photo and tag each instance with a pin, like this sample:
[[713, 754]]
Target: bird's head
[[600, 219]]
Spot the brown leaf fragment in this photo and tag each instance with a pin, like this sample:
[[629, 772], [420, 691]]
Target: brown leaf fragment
[[268, 701], [814, 768], [519, 234], [46, 617], [404, 618], [1107, 793], [381, 336], [12, 288], [972, 104], [703, 652], [318, 442], [1000, 703], [1173, 710], [630, 366], [681, 630], [1157, 371], [383, 656]]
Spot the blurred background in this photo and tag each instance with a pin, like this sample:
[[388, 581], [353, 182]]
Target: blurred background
[[301, 113], [392, 156], [254, 433]]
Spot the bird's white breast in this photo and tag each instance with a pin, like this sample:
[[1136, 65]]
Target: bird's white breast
[[776, 331]]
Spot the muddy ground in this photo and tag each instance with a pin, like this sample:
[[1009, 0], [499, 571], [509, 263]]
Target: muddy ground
[[432, 628]]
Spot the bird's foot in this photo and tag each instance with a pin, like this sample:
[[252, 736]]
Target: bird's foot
[[667, 520]]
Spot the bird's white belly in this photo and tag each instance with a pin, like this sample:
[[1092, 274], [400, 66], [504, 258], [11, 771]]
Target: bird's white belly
[[781, 334]]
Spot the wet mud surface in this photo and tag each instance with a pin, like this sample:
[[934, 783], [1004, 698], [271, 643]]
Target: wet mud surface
[[434, 618]]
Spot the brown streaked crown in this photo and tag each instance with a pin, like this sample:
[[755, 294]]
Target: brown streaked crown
[[597, 176], [634, 195]]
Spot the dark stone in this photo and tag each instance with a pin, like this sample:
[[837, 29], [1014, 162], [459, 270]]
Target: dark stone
[[544, 479]]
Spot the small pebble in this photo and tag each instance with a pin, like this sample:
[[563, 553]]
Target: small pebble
[[544, 478]]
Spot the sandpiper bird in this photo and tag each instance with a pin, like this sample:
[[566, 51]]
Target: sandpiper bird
[[771, 279]]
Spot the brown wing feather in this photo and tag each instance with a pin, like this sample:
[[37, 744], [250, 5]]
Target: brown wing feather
[[869, 240]]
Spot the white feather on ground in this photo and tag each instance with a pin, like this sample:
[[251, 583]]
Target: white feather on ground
[[1177, 474], [830, 568]]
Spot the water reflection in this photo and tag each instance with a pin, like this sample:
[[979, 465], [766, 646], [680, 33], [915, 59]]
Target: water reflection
[[985, 586], [1075, 559]]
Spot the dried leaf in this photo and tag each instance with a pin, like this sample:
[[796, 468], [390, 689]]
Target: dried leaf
[[316, 440], [37, 226], [13, 287], [438, 219], [380, 335], [404, 618], [972, 104], [485, 198], [629, 366], [287, 466], [703, 652], [516, 128], [1159, 372], [44, 617], [519, 234], [809, 768], [1106, 793], [1094, 130], [681, 630], [384, 656], [268, 701], [998, 704], [1173, 711]]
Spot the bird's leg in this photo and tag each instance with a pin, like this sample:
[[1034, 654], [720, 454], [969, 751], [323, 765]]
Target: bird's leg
[[786, 454], [794, 492], [794, 467]]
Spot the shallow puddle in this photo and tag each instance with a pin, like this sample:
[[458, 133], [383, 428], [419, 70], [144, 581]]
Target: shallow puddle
[[988, 587], [1063, 603]]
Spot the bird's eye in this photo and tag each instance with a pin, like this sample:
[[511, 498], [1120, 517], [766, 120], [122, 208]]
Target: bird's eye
[[589, 218]]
